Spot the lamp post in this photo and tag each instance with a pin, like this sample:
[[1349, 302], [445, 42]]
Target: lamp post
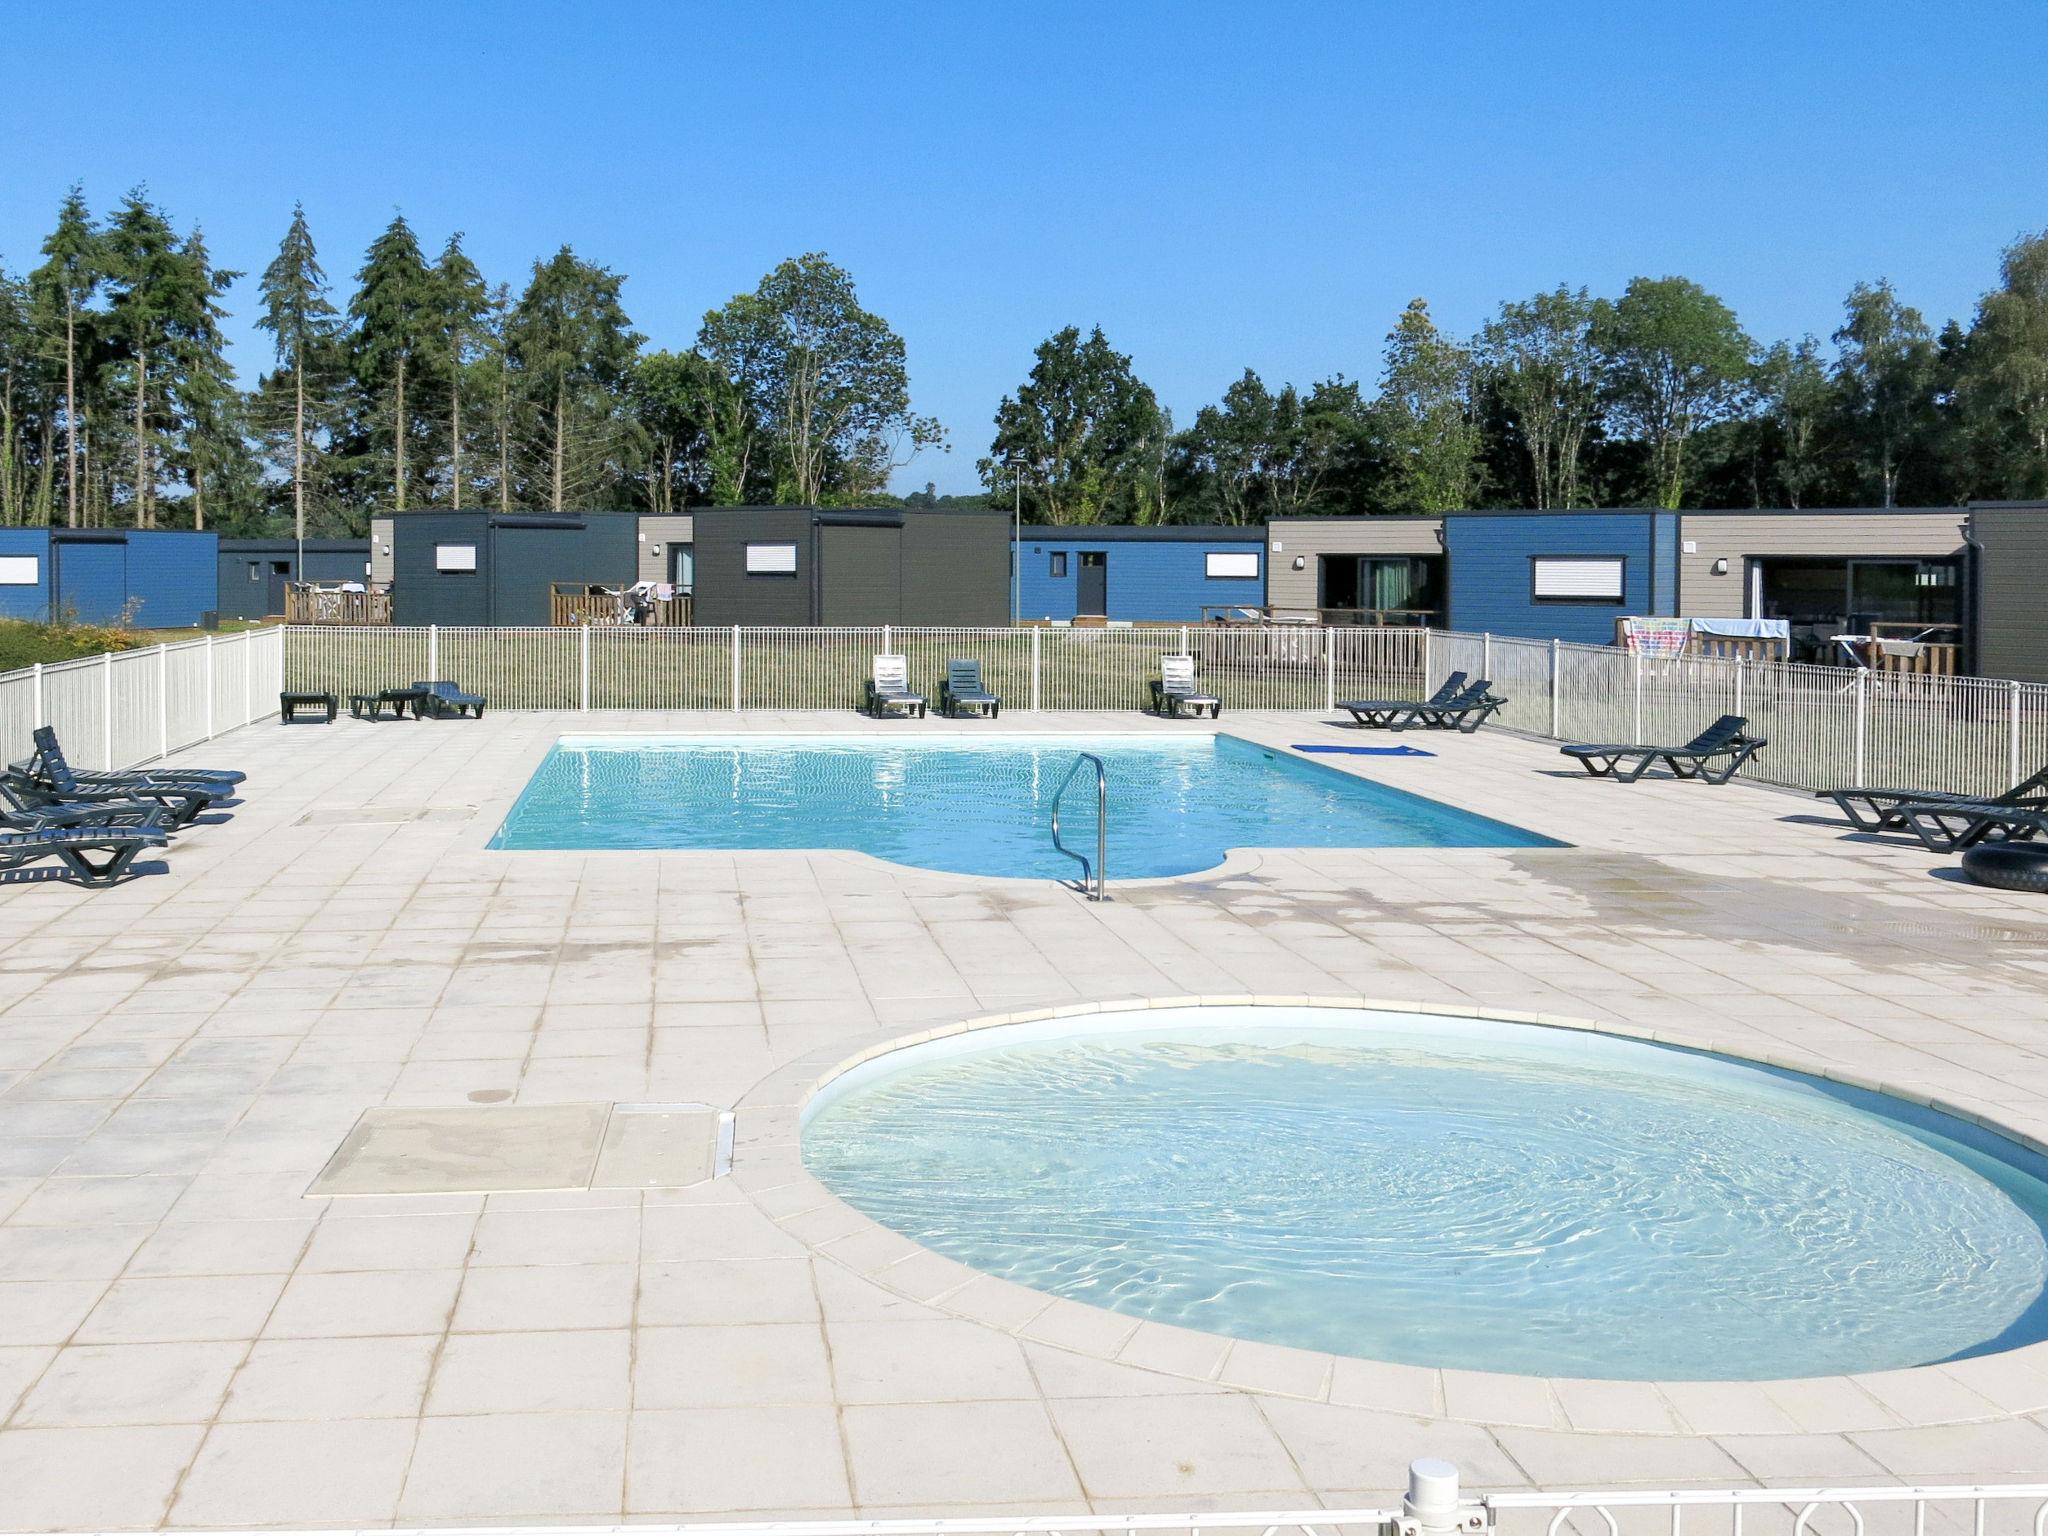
[[1017, 542]]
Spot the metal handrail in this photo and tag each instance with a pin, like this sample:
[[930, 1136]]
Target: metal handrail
[[1099, 871]]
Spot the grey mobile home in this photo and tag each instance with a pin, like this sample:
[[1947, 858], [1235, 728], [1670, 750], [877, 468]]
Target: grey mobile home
[[811, 565]]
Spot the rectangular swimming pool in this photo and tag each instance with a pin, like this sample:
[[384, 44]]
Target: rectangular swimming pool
[[976, 807]]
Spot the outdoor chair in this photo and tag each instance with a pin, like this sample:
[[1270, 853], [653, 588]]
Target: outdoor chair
[[371, 706], [1378, 713], [76, 844], [964, 689], [1174, 692], [1948, 826], [1695, 760], [443, 700], [888, 689], [1466, 710], [48, 757], [1880, 810], [47, 780]]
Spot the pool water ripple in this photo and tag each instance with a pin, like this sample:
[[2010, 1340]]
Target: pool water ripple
[[1453, 1193]]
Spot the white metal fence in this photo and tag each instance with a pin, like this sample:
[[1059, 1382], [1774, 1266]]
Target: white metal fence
[[1827, 726], [126, 707], [1435, 1506]]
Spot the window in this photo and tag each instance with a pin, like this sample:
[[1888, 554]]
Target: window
[[1577, 578], [255, 571], [21, 571], [771, 559], [1231, 565], [1058, 563], [454, 557]]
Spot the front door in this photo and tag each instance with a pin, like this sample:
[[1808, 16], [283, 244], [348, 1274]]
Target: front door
[[273, 594], [1091, 595]]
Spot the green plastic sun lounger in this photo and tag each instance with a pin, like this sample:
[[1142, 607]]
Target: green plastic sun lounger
[[1881, 810], [964, 689], [48, 759], [96, 854], [1377, 713], [1949, 826], [444, 701], [1700, 758]]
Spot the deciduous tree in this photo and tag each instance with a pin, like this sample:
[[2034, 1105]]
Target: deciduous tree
[[1428, 422], [1886, 373], [1539, 360], [824, 375], [2004, 374], [1675, 360], [1075, 435]]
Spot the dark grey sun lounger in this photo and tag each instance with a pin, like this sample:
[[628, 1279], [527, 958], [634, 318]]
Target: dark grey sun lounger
[[442, 699], [48, 759], [97, 855], [1881, 810], [964, 689], [1466, 710], [1695, 760], [47, 780], [1949, 826], [1378, 713]]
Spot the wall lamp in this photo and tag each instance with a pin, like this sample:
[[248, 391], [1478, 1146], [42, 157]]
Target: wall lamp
[[1300, 563], [1721, 567]]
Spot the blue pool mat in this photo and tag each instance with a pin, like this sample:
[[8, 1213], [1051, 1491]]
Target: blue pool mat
[[1367, 751]]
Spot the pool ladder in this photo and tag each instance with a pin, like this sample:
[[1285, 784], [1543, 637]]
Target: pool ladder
[[1095, 874]]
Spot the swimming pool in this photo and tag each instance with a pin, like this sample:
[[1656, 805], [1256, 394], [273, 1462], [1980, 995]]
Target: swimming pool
[[1449, 1192], [977, 807]]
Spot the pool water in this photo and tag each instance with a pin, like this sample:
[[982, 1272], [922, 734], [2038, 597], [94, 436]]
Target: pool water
[[1450, 1192], [977, 808]]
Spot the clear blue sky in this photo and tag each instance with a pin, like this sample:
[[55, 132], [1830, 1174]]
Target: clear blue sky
[[1217, 185]]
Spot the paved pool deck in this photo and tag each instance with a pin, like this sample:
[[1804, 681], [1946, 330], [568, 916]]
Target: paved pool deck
[[187, 1339]]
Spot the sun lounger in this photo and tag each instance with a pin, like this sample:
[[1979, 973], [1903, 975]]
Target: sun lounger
[[1174, 692], [1879, 810], [1695, 760], [48, 759], [889, 689], [1466, 712], [1951, 825], [47, 779], [19, 814], [964, 689], [443, 700], [75, 845], [1375, 713]]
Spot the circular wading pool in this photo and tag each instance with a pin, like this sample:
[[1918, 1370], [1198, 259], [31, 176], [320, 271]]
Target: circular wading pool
[[1450, 1192]]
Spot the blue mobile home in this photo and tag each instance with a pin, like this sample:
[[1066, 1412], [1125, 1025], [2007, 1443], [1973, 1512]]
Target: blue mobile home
[[159, 578], [1560, 575], [1165, 575]]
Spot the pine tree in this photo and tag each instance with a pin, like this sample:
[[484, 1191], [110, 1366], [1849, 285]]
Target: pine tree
[[62, 288], [462, 307], [570, 344], [204, 404], [393, 310], [144, 273], [300, 319]]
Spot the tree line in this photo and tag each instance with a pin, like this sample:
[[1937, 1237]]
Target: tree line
[[426, 385], [1655, 398]]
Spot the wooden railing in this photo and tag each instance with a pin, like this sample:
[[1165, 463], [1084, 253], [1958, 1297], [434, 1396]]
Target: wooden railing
[[582, 607], [311, 605]]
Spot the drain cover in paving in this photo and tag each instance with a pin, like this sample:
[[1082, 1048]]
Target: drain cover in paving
[[483, 1150], [494, 1149]]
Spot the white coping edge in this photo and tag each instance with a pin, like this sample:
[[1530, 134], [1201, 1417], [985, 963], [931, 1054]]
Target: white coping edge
[[768, 1166]]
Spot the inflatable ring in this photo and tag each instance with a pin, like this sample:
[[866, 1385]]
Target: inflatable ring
[[2009, 866]]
